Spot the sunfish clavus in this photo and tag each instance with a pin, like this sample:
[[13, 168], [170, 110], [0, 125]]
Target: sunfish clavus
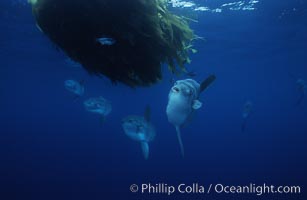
[[183, 101]]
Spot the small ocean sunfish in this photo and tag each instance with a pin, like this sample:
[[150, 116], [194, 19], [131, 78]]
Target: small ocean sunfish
[[302, 87], [247, 111], [106, 41], [98, 105], [140, 129], [76, 87]]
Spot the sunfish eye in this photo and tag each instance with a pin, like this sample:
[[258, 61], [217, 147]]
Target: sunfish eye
[[176, 89]]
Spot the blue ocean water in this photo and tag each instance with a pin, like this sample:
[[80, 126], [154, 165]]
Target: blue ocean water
[[52, 148]]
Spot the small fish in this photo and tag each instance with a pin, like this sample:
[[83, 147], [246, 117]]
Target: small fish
[[140, 129], [183, 102], [98, 105], [106, 41], [191, 74], [72, 63], [75, 87], [247, 111]]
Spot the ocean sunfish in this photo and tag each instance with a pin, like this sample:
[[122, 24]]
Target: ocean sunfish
[[247, 111], [98, 105], [76, 87], [302, 87], [140, 129], [183, 101]]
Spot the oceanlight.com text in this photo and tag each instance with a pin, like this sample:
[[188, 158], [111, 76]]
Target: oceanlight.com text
[[257, 189]]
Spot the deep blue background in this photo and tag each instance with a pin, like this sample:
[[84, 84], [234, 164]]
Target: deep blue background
[[51, 148]]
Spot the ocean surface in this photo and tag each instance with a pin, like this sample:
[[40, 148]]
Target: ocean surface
[[51, 148]]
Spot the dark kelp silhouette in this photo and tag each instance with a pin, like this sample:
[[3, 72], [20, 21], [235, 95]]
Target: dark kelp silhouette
[[127, 41]]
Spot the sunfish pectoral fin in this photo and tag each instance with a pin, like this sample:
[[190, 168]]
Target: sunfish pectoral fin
[[180, 140], [205, 84], [196, 104], [145, 149]]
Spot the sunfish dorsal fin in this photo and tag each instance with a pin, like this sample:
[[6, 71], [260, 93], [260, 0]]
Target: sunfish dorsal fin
[[205, 84], [147, 113]]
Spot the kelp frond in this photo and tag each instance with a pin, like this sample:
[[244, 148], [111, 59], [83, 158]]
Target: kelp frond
[[147, 35]]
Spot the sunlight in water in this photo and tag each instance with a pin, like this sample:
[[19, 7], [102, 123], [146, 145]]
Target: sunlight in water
[[234, 6]]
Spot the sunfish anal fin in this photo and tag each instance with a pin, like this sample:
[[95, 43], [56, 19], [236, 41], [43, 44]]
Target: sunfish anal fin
[[180, 140], [145, 149], [102, 119]]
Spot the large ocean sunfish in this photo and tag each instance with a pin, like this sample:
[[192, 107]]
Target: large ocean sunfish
[[183, 101]]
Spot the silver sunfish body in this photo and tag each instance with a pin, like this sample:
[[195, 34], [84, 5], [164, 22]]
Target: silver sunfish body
[[183, 101], [75, 87], [140, 129]]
